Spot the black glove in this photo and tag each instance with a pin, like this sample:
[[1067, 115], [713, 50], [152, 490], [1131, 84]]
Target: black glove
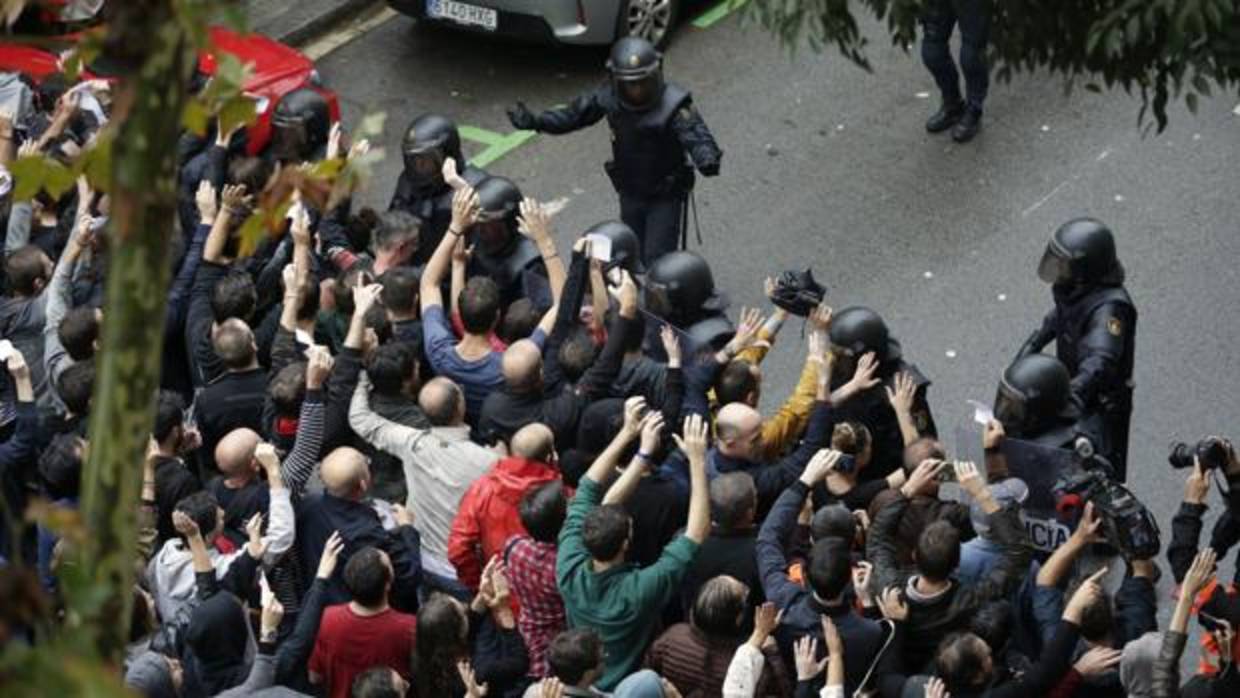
[[522, 118]]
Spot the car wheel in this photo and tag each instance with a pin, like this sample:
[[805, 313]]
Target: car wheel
[[652, 20]]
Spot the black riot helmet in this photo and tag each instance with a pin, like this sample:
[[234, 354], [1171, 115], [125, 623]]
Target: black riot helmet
[[680, 288], [858, 330], [429, 141], [499, 203], [1034, 392], [299, 126], [625, 247], [636, 73], [1081, 253]]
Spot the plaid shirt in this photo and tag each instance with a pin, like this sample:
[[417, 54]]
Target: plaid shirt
[[531, 574]]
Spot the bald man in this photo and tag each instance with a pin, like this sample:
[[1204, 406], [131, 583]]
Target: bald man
[[341, 507], [234, 400], [524, 399], [487, 516], [738, 438], [439, 464], [237, 488]]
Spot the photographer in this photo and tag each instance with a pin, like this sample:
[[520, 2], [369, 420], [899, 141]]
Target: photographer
[[1188, 521]]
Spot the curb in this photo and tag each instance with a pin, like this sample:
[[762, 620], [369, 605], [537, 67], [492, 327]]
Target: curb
[[311, 28]]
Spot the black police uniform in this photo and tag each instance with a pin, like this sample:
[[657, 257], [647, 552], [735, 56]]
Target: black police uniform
[[427, 196], [679, 289], [1093, 325], [854, 332], [1094, 331], [654, 151], [513, 262], [873, 409]]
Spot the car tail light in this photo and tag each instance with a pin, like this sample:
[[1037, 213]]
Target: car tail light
[[581, 12]]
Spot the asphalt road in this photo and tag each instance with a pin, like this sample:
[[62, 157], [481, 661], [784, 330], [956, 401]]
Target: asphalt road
[[828, 166]]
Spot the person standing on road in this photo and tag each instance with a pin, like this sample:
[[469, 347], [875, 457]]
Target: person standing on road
[[962, 116], [656, 132], [1094, 327]]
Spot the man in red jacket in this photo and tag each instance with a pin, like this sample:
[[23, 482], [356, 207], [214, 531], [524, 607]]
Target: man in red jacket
[[487, 515]]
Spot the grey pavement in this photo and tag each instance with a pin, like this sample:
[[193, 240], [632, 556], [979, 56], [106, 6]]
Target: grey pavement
[[295, 21], [828, 166]]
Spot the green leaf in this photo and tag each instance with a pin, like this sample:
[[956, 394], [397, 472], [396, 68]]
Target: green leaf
[[371, 125], [237, 111], [28, 174], [195, 116]]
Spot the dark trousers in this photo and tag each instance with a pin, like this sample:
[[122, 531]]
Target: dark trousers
[[973, 16], [656, 221]]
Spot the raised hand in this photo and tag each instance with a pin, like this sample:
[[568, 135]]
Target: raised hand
[[1088, 593], [330, 556], [185, 525], [863, 379], [902, 394], [534, 220], [671, 345], [805, 653], [652, 430], [696, 439], [634, 408], [820, 317], [891, 603], [923, 477], [821, 465], [204, 198], [465, 207], [255, 546], [1200, 572]]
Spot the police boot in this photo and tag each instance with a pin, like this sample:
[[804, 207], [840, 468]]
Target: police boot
[[970, 123], [946, 117]]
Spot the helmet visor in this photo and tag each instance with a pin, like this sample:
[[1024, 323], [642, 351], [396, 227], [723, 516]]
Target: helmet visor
[[1010, 407], [638, 93], [1056, 266], [491, 236], [289, 139], [658, 299], [424, 168]]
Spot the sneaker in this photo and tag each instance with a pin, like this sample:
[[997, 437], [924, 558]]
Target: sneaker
[[945, 117], [970, 123]]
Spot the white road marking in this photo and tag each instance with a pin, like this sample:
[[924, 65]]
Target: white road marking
[[347, 32], [1044, 199]]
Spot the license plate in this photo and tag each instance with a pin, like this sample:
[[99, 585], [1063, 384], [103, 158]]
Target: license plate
[[463, 13]]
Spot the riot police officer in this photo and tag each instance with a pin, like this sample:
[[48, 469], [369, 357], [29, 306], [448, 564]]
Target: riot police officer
[[500, 251], [1093, 325], [429, 141], [625, 247], [1033, 402], [857, 331], [300, 126], [680, 289], [655, 133]]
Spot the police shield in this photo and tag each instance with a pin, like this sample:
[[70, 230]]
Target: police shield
[[1041, 468]]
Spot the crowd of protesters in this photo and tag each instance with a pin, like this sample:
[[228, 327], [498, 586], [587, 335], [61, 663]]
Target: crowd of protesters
[[358, 486]]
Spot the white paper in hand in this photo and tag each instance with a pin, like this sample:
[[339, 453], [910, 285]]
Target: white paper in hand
[[600, 247], [982, 414], [6, 350]]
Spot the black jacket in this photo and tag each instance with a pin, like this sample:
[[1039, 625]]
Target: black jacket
[[931, 621]]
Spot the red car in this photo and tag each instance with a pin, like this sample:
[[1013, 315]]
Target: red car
[[278, 70]]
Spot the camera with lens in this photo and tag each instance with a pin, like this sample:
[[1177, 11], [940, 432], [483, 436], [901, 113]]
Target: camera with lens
[[1127, 524], [1212, 451]]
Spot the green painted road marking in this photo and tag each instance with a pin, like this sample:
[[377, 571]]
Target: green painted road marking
[[497, 144], [716, 13], [481, 135]]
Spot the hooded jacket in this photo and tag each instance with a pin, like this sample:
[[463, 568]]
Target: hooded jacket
[[488, 517], [218, 642]]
